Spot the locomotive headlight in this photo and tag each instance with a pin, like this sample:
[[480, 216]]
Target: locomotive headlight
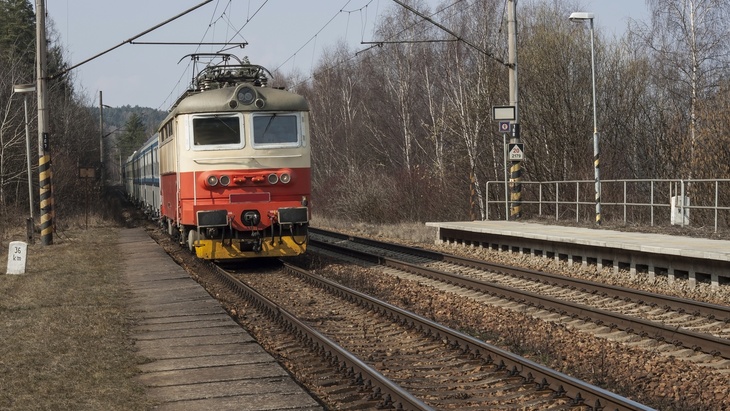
[[225, 180], [246, 95], [285, 178], [212, 181], [273, 178]]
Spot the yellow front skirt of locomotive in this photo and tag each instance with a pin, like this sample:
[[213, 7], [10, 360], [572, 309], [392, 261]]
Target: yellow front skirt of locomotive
[[227, 250]]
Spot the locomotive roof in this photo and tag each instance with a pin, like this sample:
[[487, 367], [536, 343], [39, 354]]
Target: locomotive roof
[[215, 88], [217, 101]]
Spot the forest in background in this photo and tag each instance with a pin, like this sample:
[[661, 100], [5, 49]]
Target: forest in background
[[402, 131]]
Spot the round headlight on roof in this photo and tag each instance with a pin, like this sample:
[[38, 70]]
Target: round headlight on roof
[[285, 178], [225, 180], [212, 180], [246, 95], [273, 178]]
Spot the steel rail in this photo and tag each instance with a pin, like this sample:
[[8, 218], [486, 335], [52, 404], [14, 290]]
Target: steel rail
[[545, 378], [698, 308], [682, 305], [673, 335], [390, 393]]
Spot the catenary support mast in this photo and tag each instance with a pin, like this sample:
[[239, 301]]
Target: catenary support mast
[[516, 167], [44, 154]]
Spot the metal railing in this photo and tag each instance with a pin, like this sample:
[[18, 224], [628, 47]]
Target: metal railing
[[641, 201]]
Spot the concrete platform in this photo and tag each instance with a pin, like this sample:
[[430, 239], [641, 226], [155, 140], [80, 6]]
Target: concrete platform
[[200, 359], [695, 258]]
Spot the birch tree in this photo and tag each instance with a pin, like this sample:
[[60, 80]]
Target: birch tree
[[471, 89], [689, 40]]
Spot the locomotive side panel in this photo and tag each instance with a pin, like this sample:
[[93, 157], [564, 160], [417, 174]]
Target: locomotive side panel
[[168, 172]]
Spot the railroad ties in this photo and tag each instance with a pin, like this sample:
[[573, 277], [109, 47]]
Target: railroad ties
[[199, 358]]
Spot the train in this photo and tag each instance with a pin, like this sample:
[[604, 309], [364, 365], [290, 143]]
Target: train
[[227, 173]]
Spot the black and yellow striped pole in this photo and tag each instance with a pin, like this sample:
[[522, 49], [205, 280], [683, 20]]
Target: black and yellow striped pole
[[46, 194], [44, 157], [515, 182], [472, 196]]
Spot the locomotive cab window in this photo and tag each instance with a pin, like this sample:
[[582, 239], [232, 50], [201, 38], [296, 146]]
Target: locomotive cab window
[[276, 130], [217, 132]]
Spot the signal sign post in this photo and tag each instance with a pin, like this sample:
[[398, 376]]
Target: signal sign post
[[514, 152]]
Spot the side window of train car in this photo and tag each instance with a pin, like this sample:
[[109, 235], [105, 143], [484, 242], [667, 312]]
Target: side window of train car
[[166, 132], [274, 130], [217, 132]]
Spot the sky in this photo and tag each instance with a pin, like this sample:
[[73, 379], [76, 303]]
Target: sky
[[281, 34]]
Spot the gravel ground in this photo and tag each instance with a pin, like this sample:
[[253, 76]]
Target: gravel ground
[[419, 234], [680, 288], [665, 383], [658, 380]]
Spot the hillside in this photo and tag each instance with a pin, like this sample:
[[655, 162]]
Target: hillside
[[115, 118]]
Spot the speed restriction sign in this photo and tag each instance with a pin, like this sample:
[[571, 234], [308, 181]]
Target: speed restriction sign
[[516, 151], [505, 127]]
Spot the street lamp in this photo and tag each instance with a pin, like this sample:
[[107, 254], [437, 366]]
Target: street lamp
[[25, 89], [579, 17]]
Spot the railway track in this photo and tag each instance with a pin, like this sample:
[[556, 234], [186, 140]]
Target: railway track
[[407, 361], [658, 381], [683, 324]]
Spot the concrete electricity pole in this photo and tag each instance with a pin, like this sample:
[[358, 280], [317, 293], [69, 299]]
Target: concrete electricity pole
[[44, 156], [516, 168]]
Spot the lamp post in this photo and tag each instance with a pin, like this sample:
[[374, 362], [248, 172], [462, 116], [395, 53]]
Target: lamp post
[[25, 89], [579, 17]]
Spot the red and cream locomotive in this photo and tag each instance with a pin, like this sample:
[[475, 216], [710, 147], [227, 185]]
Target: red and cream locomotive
[[234, 165]]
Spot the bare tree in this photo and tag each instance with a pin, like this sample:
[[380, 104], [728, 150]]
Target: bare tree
[[556, 93], [471, 86], [13, 169], [335, 98], [689, 40]]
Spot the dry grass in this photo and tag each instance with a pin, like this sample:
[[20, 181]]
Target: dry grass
[[416, 233], [65, 328]]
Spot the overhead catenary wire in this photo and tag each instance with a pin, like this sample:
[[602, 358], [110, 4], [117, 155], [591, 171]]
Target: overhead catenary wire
[[212, 22], [374, 44], [313, 37], [459, 38], [248, 20], [62, 72]]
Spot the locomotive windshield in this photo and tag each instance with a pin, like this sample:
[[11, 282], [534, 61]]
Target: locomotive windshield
[[276, 129], [218, 131]]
